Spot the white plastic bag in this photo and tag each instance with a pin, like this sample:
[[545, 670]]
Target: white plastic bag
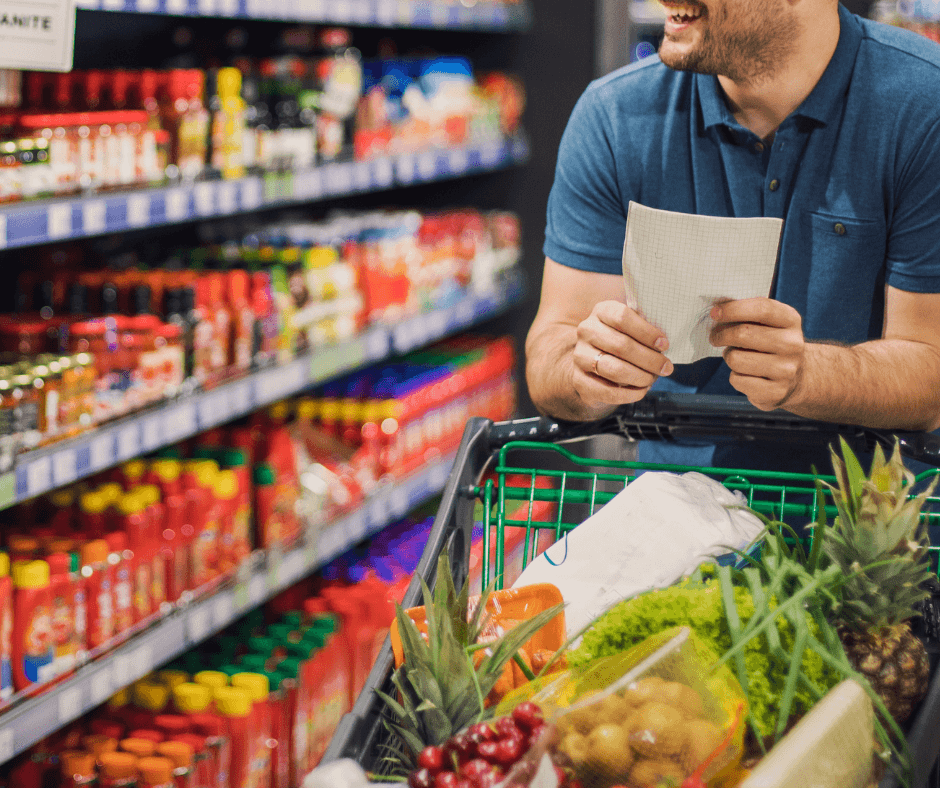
[[658, 529]]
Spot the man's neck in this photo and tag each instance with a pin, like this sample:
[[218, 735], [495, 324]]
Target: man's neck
[[762, 104]]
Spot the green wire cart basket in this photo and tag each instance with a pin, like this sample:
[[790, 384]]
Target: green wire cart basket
[[521, 476]]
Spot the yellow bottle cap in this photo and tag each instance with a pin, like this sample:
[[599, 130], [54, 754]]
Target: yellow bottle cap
[[120, 698], [372, 411], [229, 83], [279, 411], [110, 492], [329, 410], [151, 695], [30, 574], [211, 679], [191, 697], [204, 471], [4, 565], [149, 494], [167, 470], [172, 678], [321, 257], [226, 485], [232, 702], [255, 684], [350, 410], [93, 503], [134, 470], [391, 408], [307, 409], [62, 499], [129, 503]]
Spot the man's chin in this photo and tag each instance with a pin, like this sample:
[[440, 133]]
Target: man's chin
[[675, 56]]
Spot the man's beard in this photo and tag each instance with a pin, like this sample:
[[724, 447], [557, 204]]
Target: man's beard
[[748, 55]]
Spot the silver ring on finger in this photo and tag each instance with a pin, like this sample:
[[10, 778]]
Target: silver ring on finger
[[597, 358]]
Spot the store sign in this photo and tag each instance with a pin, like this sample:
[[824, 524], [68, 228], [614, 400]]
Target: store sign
[[37, 34]]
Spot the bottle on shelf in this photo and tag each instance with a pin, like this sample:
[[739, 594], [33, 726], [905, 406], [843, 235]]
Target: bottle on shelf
[[32, 650]]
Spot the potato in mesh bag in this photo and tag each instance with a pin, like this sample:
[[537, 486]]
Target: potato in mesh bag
[[653, 716]]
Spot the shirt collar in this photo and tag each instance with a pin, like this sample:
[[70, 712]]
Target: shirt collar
[[820, 105]]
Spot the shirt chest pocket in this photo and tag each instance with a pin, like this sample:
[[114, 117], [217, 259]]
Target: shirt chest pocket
[[846, 261]]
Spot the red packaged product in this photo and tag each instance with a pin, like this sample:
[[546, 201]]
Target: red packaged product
[[117, 770], [193, 701], [78, 769], [121, 559], [155, 772], [99, 576], [202, 766], [182, 757], [175, 548], [6, 629], [235, 707], [242, 321], [32, 649], [63, 613], [261, 720]]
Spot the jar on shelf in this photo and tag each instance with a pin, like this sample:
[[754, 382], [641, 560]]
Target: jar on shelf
[[26, 338], [26, 393], [9, 432]]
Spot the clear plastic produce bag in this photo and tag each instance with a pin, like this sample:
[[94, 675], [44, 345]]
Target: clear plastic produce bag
[[656, 716]]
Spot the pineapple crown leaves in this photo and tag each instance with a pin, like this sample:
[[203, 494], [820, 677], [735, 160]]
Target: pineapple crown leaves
[[440, 688], [878, 539]]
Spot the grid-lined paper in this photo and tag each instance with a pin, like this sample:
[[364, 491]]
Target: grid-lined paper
[[676, 266]]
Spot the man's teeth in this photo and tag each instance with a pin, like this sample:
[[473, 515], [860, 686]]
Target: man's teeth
[[684, 11]]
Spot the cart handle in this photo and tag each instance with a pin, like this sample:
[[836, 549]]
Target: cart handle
[[667, 416]]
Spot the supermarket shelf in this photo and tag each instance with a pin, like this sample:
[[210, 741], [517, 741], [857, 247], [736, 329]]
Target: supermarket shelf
[[190, 624], [45, 469], [40, 221], [465, 15], [647, 13]]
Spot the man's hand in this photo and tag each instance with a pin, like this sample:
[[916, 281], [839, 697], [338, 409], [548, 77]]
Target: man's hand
[[617, 356], [764, 347]]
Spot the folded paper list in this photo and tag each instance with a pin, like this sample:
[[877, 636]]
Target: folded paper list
[[677, 266]]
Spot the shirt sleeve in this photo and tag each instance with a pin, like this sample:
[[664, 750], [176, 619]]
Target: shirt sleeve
[[586, 210], [913, 256]]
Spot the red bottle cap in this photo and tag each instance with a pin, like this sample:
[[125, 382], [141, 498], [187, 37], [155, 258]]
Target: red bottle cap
[[207, 724], [172, 724], [59, 563]]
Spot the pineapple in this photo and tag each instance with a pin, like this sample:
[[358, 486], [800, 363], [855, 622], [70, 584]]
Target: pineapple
[[880, 544], [444, 679]]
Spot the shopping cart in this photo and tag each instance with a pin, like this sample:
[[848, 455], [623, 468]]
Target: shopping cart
[[504, 466]]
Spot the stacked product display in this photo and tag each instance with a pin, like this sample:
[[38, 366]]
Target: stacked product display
[[195, 417], [87, 131], [91, 345], [258, 703], [105, 558]]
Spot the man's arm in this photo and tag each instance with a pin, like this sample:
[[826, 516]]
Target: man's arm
[[892, 382], [587, 351]]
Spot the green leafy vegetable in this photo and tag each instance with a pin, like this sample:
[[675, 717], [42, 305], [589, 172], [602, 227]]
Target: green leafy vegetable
[[698, 605]]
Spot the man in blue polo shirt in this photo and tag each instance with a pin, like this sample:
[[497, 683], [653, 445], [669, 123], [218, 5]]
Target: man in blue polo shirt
[[795, 109]]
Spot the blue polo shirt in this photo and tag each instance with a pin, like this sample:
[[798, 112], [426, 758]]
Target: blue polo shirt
[[854, 173]]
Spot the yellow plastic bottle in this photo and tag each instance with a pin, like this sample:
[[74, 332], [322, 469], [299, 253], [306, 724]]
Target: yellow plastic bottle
[[228, 125]]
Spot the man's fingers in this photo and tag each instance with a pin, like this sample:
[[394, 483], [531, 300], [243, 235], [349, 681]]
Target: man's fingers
[[764, 311], [628, 321], [610, 367], [596, 334], [746, 335]]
